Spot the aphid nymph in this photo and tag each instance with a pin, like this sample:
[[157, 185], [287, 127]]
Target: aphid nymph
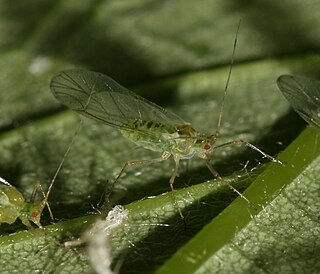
[[13, 205]]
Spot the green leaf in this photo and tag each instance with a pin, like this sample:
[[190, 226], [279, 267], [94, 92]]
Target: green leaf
[[278, 235], [177, 54]]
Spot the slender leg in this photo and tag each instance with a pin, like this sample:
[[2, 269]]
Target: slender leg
[[36, 187], [216, 174], [242, 142], [174, 174], [171, 182], [163, 157]]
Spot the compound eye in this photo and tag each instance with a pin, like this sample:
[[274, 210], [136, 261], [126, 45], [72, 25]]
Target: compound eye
[[206, 147]]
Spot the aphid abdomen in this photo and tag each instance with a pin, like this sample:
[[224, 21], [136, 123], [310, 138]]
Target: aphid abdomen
[[11, 201], [148, 134]]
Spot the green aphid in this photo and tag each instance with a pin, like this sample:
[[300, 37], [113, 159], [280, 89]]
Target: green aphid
[[100, 98], [13, 205]]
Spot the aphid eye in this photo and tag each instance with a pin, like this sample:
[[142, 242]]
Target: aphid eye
[[206, 147], [34, 214]]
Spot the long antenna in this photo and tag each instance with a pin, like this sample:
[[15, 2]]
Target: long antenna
[[59, 168], [228, 80], [65, 155]]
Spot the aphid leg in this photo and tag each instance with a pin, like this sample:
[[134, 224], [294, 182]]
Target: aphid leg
[[46, 201], [163, 157], [174, 174], [212, 170], [38, 186], [26, 222], [46, 196], [242, 142], [129, 164], [216, 174]]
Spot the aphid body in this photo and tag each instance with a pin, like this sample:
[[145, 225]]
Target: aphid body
[[99, 97], [14, 206], [180, 140]]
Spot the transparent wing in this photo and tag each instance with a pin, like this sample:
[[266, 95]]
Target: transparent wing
[[99, 97], [304, 96]]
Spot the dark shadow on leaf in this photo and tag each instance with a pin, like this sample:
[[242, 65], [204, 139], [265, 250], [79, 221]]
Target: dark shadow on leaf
[[163, 242]]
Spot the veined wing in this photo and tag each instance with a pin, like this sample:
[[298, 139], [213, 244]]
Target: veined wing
[[99, 97], [304, 96]]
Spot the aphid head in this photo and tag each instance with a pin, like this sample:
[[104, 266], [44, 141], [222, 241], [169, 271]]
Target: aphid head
[[32, 212], [36, 212], [209, 142], [205, 145]]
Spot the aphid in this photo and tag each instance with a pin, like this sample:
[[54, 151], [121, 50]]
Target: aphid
[[13, 205], [100, 98], [304, 96]]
